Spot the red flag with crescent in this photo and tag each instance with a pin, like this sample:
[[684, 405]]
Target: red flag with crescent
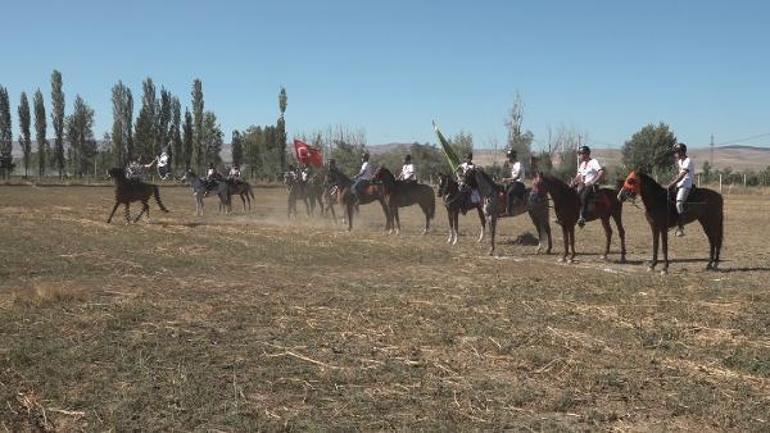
[[307, 154]]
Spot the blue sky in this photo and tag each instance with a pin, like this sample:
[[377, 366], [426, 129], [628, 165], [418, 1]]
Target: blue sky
[[604, 67]]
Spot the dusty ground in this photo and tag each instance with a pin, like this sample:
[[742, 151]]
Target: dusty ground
[[253, 322]]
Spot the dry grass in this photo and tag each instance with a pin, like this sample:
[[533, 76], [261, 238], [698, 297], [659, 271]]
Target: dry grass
[[256, 323]]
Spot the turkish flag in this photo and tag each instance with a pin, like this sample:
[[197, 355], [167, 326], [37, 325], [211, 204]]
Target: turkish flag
[[307, 154]]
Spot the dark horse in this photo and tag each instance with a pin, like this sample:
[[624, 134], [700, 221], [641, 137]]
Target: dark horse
[[342, 189], [200, 189], [494, 207], [127, 191], [399, 193], [241, 188], [457, 201], [297, 191], [566, 204], [704, 205]]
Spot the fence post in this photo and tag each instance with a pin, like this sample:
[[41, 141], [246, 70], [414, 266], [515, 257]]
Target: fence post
[[720, 183]]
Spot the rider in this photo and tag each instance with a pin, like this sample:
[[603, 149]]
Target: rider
[[234, 174], [462, 174], [364, 176], [163, 164], [137, 170], [682, 182], [212, 176], [516, 189], [306, 173], [407, 171], [589, 174]]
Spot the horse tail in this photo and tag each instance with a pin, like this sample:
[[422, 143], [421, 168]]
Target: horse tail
[[156, 193], [431, 203]]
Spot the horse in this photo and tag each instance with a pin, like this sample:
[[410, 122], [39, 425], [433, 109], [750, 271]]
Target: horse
[[342, 187], [127, 191], [566, 204], [201, 189], [241, 188], [399, 193], [494, 207], [704, 205], [296, 192], [456, 201]]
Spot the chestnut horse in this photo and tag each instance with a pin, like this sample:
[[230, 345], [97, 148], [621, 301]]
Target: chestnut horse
[[399, 193], [342, 187], [566, 204], [704, 205]]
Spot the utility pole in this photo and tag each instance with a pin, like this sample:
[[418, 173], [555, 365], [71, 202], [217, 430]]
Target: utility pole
[[711, 159]]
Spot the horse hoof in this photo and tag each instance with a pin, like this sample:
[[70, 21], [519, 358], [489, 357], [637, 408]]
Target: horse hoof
[[491, 252], [454, 242], [603, 257], [570, 261], [623, 259], [663, 271], [650, 268], [562, 260]]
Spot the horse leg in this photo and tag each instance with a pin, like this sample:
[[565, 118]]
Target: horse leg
[[712, 237], [388, 216], [397, 219], [492, 221], [243, 202], [483, 223], [114, 208], [655, 238], [427, 219], [664, 245], [572, 244], [349, 208], [608, 236], [456, 232], [144, 207], [565, 236], [618, 217], [128, 214]]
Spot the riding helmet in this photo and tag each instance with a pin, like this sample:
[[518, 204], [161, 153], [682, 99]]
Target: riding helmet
[[584, 149], [469, 156], [408, 158], [510, 153], [680, 147], [365, 156]]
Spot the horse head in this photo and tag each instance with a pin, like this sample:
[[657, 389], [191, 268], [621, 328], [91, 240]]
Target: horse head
[[117, 173], [632, 186]]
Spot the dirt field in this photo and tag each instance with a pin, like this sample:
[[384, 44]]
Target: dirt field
[[252, 322]]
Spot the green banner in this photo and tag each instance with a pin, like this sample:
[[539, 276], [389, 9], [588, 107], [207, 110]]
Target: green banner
[[450, 154]]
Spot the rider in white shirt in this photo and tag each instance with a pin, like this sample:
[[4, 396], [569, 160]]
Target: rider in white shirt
[[462, 173], [364, 176], [516, 188], [235, 173], [589, 174], [682, 182], [163, 165], [407, 171]]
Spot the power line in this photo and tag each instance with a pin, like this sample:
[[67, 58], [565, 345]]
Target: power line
[[738, 140]]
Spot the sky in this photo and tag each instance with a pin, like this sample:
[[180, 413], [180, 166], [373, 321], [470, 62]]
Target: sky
[[605, 68]]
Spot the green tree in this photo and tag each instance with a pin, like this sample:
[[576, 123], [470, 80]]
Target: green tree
[[519, 140], [145, 134], [199, 152], [707, 172], [175, 151], [57, 120], [188, 140], [6, 133], [283, 102], [462, 143], [25, 121], [252, 140], [81, 137], [122, 116], [236, 147], [212, 138], [40, 132], [163, 120], [651, 150]]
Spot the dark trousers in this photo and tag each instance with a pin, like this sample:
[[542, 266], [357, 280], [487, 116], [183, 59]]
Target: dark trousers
[[516, 191], [586, 194]]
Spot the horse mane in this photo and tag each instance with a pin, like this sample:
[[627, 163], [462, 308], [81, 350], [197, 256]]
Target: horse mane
[[339, 177], [649, 183], [386, 174], [556, 183], [487, 186]]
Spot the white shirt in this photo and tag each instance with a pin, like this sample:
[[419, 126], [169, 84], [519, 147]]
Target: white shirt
[[210, 172], [685, 165], [235, 173], [407, 172], [465, 166], [163, 159], [517, 171], [589, 171], [366, 171], [304, 175]]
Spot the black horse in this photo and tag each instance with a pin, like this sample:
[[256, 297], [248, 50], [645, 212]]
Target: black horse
[[131, 190], [457, 201], [494, 206], [399, 193]]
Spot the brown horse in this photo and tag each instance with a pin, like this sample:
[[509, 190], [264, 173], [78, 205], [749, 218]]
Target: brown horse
[[241, 188], [457, 201], [128, 190], [566, 204], [494, 206], [399, 193], [704, 205], [342, 187]]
